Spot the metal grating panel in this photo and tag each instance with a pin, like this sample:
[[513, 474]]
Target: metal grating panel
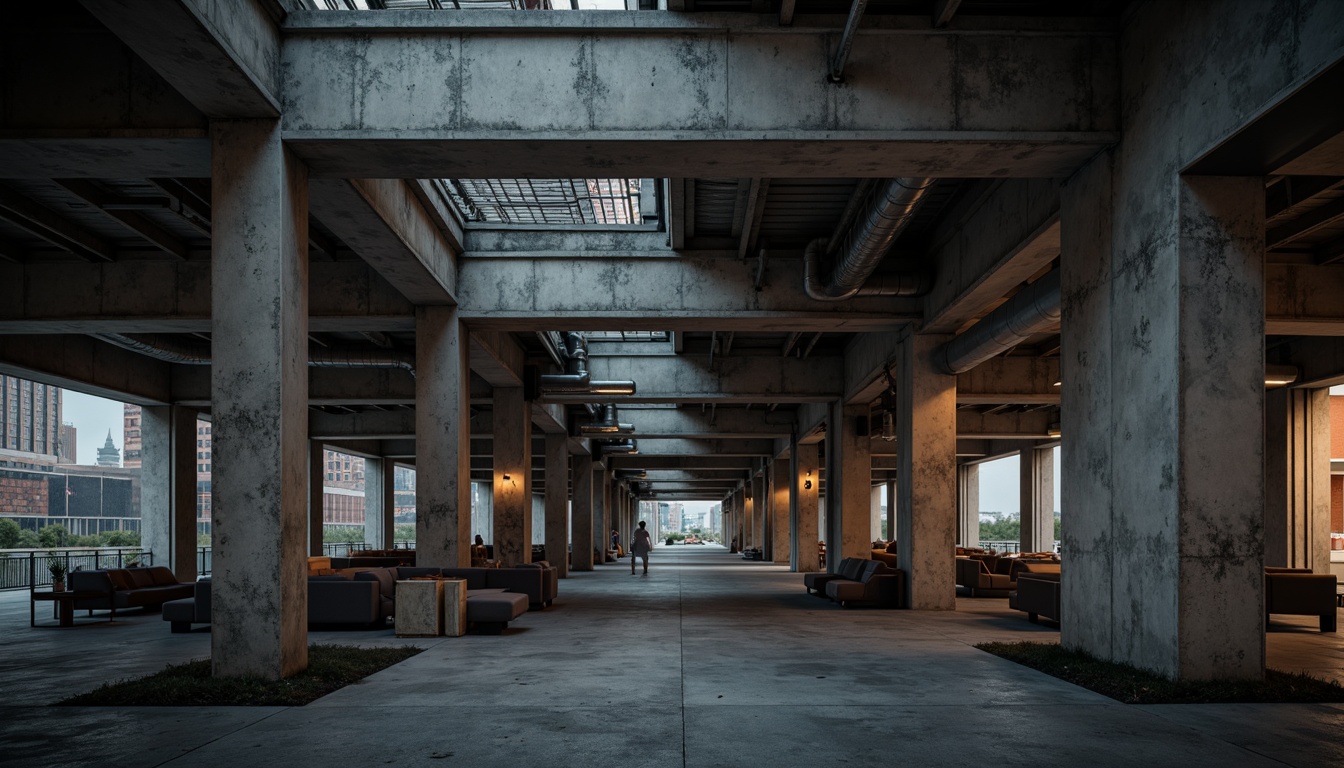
[[546, 201]]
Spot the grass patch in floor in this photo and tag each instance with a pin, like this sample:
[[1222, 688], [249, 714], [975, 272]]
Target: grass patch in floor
[[330, 667], [1135, 686]]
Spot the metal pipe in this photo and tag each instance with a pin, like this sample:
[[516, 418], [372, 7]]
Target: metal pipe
[[864, 246], [1033, 309], [837, 73]]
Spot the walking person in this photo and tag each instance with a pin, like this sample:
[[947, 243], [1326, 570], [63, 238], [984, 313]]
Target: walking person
[[641, 546]]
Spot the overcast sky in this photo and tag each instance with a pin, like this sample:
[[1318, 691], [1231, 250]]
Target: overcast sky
[[92, 417]]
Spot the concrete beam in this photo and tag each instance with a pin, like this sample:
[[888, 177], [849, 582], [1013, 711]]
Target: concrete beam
[[991, 245], [223, 57], [1320, 360], [1033, 425], [687, 463], [1303, 300], [384, 222], [721, 423], [867, 359], [655, 94], [497, 358], [616, 292], [706, 447], [175, 297], [1021, 380], [86, 365], [366, 425], [738, 379]]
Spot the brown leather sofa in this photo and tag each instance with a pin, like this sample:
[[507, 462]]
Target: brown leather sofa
[[989, 576], [1300, 592]]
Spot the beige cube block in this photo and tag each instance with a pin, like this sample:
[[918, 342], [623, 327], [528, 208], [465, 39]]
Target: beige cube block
[[454, 607], [419, 608]]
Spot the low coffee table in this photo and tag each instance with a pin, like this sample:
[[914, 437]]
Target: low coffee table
[[65, 605]]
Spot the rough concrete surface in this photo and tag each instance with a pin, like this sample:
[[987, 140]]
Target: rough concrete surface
[[707, 661]]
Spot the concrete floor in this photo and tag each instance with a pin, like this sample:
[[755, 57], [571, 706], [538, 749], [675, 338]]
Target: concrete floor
[[707, 661]]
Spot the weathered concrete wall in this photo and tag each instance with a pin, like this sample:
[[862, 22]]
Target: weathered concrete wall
[[557, 507], [443, 440], [926, 517], [848, 484], [1036, 492], [512, 477], [1166, 307], [1297, 478], [671, 83], [581, 514], [259, 404], [610, 292], [968, 505], [1008, 236], [781, 480], [156, 482]]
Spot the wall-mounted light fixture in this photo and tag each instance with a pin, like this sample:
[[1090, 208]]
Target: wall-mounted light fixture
[[807, 484], [506, 477], [889, 426]]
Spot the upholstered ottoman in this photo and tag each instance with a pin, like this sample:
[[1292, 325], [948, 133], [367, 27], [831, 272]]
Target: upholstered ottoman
[[491, 610]]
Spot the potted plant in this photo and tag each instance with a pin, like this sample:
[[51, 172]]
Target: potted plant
[[58, 571]]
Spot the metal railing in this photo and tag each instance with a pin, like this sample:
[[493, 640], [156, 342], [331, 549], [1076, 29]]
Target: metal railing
[[1008, 547], [28, 568]]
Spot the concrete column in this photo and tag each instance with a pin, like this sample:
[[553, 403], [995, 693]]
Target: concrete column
[[373, 503], [1163, 407], [891, 509], [388, 519], [512, 476], [760, 508], [740, 517], [168, 487], [1036, 488], [557, 496], [781, 527], [442, 440], [968, 505], [156, 482], [259, 386], [1297, 478], [184, 467], [875, 512], [806, 486], [601, 531], [316, 491], [849, 472], [749, 513], [927, 486], [581, 514]]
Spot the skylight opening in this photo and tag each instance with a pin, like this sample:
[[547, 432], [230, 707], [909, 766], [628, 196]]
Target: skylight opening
[[566, 202], [462, 5]]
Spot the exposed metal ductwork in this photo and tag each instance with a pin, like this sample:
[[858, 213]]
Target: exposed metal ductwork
[[188, 352], [576, 380], [865, 245], [1031, 310], [608, 424]]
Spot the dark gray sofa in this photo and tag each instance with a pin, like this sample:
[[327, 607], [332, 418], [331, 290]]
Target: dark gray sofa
[[876, 585], [332, 601], [128, 588], [850, 568]]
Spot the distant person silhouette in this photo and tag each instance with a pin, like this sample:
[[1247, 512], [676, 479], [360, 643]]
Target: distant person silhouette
[[640, 547]]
